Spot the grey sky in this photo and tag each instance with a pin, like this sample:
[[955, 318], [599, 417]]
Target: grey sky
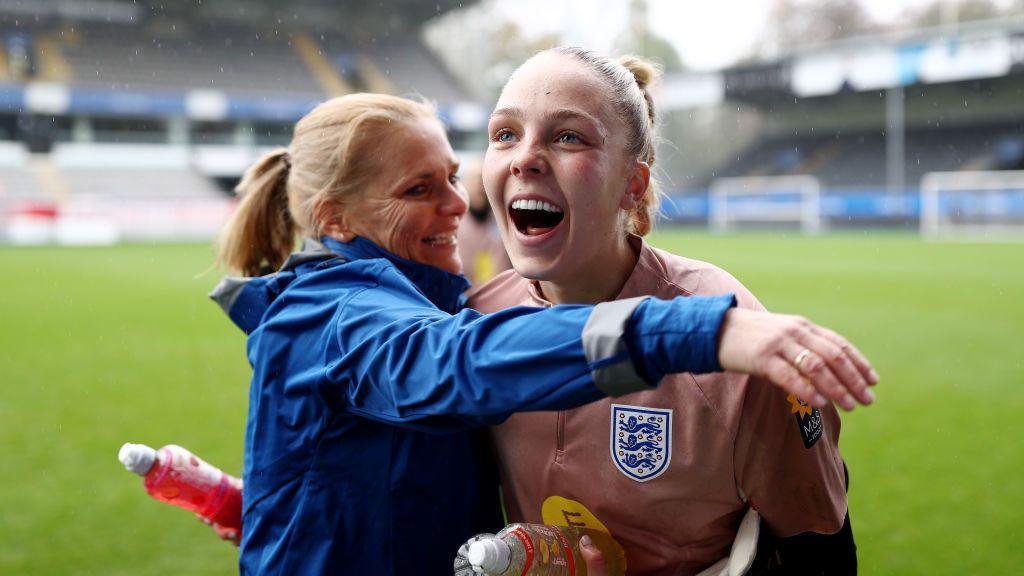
[[708, 35]]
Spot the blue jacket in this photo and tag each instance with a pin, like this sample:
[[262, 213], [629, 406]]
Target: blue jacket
[[369, 378]]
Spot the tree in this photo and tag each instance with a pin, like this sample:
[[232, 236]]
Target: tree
[[638, 39], [795, 23], [952, 11]]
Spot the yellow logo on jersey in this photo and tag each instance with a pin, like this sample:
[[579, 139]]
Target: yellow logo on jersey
[[558, 511]]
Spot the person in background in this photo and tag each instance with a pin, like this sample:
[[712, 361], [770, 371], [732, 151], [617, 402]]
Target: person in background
[[480, 248], [669, 472]]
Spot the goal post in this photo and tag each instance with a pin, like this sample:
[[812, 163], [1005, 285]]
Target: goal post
[[973, 205], [765, 201]]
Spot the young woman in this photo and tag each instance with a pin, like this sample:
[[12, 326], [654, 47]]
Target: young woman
[[668, 472]]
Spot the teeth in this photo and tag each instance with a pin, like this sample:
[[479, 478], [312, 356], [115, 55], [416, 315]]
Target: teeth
[[440, 239], [535, 205]]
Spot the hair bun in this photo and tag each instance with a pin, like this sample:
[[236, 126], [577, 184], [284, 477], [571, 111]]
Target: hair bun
[[644, 71]]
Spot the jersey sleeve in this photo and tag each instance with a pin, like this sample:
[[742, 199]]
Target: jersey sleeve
[[788, 464], [402, 361]]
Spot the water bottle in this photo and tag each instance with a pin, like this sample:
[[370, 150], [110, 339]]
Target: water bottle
[[542, 550], [174, 475]]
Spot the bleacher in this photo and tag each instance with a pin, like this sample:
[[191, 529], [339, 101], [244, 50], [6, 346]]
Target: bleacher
[[136, 128], [857, 160], [230, 59]]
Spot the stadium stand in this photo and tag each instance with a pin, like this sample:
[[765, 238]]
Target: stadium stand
[[231, 59], [869, 119], [858, 159], [115, 115]]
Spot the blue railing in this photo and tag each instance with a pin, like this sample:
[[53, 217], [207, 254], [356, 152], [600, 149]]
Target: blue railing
[[877, 205]]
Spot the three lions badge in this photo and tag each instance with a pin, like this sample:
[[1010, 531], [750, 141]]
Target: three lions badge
[[641, 441]]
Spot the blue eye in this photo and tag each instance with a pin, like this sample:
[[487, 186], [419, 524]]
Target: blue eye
[[504, 135], [569, 138]]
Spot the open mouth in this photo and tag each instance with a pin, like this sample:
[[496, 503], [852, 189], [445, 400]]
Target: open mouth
[[535, 217]]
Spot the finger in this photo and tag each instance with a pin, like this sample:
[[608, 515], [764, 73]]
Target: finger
[[782, 373], [204, 520], [841, 366], [815, 369], [855, 355], [593, 557]]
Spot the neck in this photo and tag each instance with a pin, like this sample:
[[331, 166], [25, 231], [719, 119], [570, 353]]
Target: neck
[[599, 281]]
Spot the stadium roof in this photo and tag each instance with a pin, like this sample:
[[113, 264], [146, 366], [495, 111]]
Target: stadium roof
[[976, 51], [323, 13]]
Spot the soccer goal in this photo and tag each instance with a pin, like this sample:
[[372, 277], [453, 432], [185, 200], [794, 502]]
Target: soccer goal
[[973, 206], [765, 201]]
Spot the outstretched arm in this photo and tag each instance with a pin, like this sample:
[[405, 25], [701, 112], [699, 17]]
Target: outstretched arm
[[405, 362]]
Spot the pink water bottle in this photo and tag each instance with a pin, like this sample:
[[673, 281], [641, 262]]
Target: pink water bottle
[[176, 476]]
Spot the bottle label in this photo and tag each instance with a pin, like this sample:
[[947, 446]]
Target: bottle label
[[192, 471], [527, 547], [555, 549], [567, 547]]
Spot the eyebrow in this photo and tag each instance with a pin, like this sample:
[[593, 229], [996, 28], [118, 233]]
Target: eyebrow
[[560, 114], [454, 167]]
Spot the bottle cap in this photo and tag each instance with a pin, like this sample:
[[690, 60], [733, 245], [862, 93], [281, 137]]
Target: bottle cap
[[137, 458], [490, 555]]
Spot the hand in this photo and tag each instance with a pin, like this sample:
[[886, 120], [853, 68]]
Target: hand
[[593, 557], [810, 361], [227, 534]]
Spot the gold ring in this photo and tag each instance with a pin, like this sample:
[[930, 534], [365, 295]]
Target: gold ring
[[801, 357]]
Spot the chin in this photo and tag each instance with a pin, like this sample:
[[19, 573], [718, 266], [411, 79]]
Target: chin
[[452, 266], [534, 268]]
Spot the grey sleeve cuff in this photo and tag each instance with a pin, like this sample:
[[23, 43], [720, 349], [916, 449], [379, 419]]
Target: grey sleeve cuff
[[227, 292], [604, 339]]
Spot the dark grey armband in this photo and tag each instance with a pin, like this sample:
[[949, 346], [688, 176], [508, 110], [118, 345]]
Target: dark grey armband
[[604, 338]]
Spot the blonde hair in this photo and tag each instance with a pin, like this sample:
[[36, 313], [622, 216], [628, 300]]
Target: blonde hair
[[629, 80], [334, 153]]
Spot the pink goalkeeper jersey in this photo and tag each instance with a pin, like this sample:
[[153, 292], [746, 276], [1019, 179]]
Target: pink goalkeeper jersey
[[667, 471]]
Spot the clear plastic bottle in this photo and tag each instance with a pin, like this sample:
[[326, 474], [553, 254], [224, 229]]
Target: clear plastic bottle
[[542, 550], [174, 475]]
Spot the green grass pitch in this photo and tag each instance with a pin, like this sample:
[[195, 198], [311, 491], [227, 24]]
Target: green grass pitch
[[103, 346]]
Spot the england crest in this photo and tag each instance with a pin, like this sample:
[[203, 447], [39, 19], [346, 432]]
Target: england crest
[[641, 440]]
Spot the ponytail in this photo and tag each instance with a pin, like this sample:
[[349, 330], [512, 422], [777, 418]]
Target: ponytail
[[644, 73], [261, 233]]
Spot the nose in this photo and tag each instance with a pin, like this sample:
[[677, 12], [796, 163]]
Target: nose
[[454, 201], [530, 160]]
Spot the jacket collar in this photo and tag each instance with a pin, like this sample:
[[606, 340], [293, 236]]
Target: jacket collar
[[245, 300], [444, 289]]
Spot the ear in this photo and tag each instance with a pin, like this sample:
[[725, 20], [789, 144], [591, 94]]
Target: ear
[[636, 186], [333, 222]]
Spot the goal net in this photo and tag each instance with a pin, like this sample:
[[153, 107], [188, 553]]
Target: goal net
[[765, 201], [974, 206]]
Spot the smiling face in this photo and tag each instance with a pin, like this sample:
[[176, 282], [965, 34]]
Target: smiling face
[[557, 171], [413, 207]]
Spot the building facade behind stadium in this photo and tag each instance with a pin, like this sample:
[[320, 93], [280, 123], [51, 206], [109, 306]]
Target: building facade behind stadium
[[132, 121]]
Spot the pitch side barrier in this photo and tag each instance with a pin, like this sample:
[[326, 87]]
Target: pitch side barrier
[[957, 205]]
